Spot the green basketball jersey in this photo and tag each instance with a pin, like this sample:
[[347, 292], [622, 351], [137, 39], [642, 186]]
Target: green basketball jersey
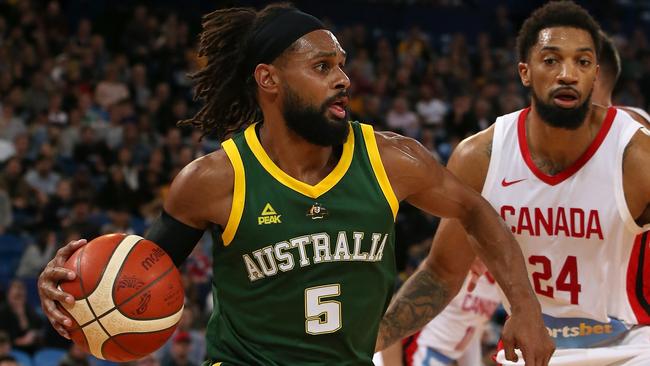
[[306, 272]]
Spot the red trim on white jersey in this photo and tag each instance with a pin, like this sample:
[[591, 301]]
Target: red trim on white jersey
[[582, 160], [410, 346], [638, 286]]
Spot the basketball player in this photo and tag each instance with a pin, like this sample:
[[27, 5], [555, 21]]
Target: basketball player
[[610, 70], [305, 204], [571, 181]]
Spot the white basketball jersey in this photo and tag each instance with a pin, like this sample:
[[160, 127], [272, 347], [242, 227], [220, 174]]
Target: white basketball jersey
[[639, 111], [583, 250], [463, 320]]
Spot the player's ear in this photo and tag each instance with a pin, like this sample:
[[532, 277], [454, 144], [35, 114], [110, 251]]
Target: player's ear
[[524, 73], [266, 78]]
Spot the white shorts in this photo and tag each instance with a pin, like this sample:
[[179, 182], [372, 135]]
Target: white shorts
[[427, 356], [633, 350]]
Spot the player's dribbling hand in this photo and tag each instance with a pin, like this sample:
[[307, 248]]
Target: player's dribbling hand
[[525, 330], [53, 273]]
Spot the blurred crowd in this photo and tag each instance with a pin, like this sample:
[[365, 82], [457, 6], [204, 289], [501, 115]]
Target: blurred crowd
[[89, 143]]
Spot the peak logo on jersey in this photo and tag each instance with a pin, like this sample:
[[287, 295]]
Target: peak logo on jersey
[[506, 184], [269, 216]]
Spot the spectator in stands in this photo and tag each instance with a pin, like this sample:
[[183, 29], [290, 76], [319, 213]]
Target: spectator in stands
[[19, 319], [75, 356], [11, 124], [187, 327], [37, 254], [402, 119], [110, 90], [430, 108], [42, 177], [92, 151], [119, 217], [6, 216], [116, 191], [5, 344], [81, 220], [8, 361], [461, 121], [150, 360], [179, 351], [139, 85]]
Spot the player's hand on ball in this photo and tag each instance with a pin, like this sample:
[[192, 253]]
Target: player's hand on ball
[[53, 273], [525, 330]]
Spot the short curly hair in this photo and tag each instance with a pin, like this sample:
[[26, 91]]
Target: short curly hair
[[555, 14]]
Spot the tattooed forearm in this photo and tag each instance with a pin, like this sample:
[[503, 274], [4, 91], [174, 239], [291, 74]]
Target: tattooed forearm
[[421, 298]]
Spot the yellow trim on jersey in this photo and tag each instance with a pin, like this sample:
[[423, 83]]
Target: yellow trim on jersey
[[301, 187], [217, 364], [238, 194], [378, 167]]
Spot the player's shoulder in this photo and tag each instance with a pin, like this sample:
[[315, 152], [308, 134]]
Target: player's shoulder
[[403, 155], [389, 142], [637, 151], [477, 147], [203, 183], [209, 169], [471, 158]]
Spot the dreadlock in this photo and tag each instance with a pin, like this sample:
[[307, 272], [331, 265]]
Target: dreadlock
[[226, 87]]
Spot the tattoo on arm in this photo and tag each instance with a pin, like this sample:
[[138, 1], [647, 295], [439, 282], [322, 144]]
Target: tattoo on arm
[[421, 298]]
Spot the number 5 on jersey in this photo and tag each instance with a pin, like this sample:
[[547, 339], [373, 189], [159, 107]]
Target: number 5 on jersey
[[322, 316]]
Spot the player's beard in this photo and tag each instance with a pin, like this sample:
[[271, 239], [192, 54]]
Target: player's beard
[[567, 118], [311, 123]]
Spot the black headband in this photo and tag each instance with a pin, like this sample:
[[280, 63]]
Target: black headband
[[277, 33]]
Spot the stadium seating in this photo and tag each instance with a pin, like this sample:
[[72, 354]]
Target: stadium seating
[[23, 358], [49, 356]]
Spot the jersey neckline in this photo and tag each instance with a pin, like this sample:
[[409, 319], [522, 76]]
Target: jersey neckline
[[312, 191], [573, 168]]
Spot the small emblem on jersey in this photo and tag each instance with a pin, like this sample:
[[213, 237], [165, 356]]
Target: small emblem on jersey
[[317, 212], [269, 216], [506, 183]]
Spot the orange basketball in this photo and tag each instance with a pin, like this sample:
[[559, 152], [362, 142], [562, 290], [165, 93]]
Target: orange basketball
[[128, 297]]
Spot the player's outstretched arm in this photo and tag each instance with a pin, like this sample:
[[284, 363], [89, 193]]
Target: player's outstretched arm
[[201, 194], [417, 177]]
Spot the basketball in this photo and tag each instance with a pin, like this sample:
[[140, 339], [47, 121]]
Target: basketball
[[128, 297]]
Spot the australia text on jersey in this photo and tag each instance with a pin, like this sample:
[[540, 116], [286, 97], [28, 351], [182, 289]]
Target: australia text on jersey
[[283, 256]]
